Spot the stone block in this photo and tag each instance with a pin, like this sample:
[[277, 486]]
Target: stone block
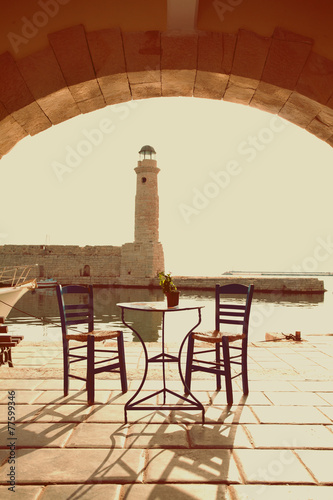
[[146, 90], [175, 491], [300, 110], [240, 89], [319, 462], [17, 98], [157, 436], [106, 49], [322, 124], [59, 106], [46, 83], [178, 63], [188, 466], [286, 58], [316, 79], [14, 93], [210, 52], [210, 81], [229, 45], [85, 492], [290, 436], [330, 141], [250, 55], [269, 98], [143, 56], [58, 466], [11, 131], [270, 465], [72, 52], [210, 85]]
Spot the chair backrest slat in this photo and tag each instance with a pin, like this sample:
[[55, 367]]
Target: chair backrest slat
[[230, 312], [75, 306]]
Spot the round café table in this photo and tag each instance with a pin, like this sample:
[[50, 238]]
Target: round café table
[[190, 402]]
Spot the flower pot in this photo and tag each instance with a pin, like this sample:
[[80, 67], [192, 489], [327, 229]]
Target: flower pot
[[172, 299]]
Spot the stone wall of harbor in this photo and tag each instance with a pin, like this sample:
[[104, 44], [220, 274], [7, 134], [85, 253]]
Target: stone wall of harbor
[[125, 266]]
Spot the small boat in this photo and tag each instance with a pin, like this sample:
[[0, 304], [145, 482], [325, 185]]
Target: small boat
[[47, 283], [14, 283]]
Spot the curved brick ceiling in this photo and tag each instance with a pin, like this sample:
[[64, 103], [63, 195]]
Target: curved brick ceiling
[[81, 70]]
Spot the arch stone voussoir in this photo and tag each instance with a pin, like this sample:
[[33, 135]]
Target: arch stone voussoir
[[84, 71], [72, 52], [106, 49], [46, 83], [143, 62], [18, 100], [178, 63], [10, 131]]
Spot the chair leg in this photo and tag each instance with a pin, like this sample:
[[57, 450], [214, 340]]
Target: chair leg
[[9, 357], [121, 354], [66, 368], [245, 380], [227, 371], [218, 361], [91, 369], [189, 361]]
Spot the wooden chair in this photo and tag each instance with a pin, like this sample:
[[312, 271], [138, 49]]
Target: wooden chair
[[225, 354], [6, 344], [76, 307]]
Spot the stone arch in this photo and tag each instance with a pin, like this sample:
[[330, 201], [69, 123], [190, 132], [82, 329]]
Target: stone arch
[[81, 71]]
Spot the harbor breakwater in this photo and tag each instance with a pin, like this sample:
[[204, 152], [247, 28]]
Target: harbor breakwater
[[103, 266]]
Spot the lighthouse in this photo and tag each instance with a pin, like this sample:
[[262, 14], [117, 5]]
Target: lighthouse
[[144, 258], [146, 199]]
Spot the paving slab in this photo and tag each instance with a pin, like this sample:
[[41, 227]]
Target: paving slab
[[74, 397], [327, 410], [175, 492], [296, 399], [101, 435], [290, 436], [35, 435], [191, 466], [157, 436], [264, 491], [292, 414], [319, 462], [23, 412], [239, 414], [61, 466], [61, 413], [21, 397], [272, 467], [82, 491], [219, 436], [21, 493]]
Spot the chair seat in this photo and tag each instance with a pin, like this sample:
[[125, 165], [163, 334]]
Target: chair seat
[[215, 336], [98, 334]]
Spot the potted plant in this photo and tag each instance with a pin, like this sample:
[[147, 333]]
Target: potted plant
[[169, 289]]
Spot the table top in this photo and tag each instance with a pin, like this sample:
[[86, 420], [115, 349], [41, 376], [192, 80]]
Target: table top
[[158, 306]]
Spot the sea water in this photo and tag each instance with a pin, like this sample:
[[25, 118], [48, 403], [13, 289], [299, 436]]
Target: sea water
[[36, 315]]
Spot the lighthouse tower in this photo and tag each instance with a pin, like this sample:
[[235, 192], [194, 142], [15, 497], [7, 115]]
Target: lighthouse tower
[[146, 199], [145, 257]]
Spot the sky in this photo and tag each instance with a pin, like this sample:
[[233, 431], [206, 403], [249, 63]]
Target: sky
[[239, 189]]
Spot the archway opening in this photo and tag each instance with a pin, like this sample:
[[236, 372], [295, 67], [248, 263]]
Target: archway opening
[[239, 189]]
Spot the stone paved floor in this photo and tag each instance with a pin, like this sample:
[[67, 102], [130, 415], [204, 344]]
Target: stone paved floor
[[276, 443]]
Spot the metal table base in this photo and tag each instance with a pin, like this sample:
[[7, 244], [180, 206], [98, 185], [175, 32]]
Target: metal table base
[[191, 402]]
